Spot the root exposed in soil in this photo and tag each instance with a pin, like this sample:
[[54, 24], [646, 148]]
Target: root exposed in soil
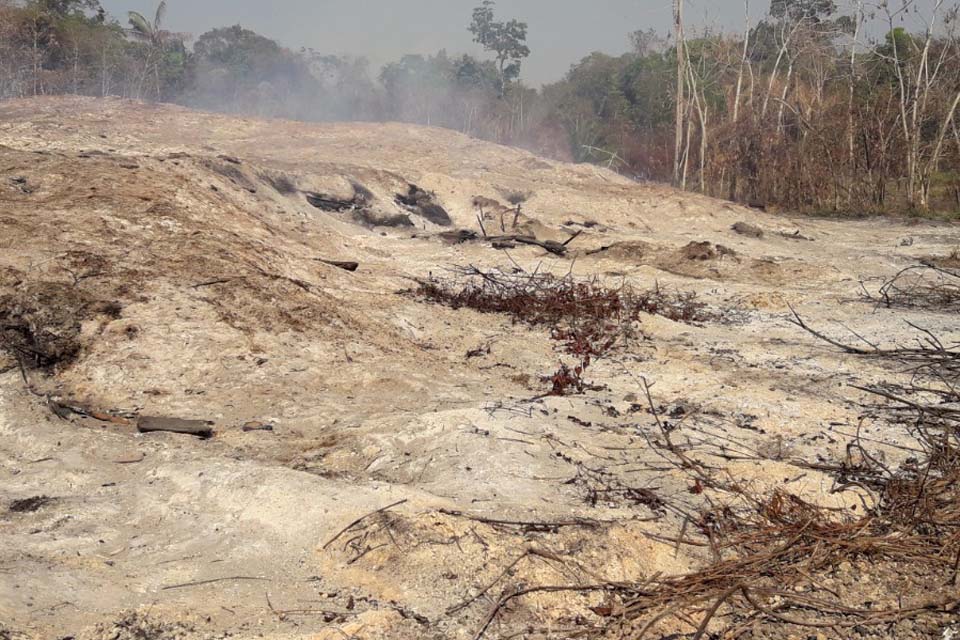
[[40, 323]]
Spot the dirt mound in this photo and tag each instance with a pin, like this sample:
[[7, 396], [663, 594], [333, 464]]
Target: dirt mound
[[747, 229], [707, 260], [704, 251]]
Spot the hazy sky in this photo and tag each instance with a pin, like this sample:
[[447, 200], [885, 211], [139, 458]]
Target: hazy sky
[[561, 32]]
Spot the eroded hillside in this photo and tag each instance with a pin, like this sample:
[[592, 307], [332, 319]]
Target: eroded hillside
[[383, 465]]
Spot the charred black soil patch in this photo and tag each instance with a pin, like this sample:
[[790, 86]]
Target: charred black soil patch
[[360, 205], [29, 505], [361, 197], [230, 170], [281, 183], [424, 204], [332, 204], [370, 218]]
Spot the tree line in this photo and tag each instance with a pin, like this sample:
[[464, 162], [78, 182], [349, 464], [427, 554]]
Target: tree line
[[802, 110]]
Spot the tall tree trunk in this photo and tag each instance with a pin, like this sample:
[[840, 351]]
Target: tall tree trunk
[[853, 80], [786, 39], [699, 102], [934, 159], [156, 71], [851, 142], [743, 62], [76, 68], [678, 162], [783, 97], [36, 58]]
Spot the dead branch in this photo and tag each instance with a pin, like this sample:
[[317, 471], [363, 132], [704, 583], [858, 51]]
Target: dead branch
[[527, 525], [359, 520], [198, 583], [926, 286]]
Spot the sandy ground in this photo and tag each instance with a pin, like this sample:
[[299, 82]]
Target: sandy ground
[[184, 243]]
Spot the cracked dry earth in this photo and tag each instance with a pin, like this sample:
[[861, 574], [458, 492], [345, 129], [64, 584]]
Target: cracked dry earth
[[177, 264]]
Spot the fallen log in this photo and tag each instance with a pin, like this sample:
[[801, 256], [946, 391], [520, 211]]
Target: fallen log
[[508, 241], [345, 265], [329, 203], [64, 409], [459, 236], [199, 428], [257, 426], [556, 248], [553, 247]]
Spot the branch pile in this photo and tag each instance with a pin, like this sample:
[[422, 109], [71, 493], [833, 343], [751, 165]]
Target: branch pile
[[783, 567], [770, 562], [923, 286], [585, 316]]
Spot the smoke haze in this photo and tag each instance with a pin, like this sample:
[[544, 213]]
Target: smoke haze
[[561, 33]]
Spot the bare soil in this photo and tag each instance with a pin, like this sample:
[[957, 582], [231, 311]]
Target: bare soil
[[382, 466]]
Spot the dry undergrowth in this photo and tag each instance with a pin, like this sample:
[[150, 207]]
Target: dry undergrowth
[[585, 316], [786, 568], [782, 567], [932, 286]]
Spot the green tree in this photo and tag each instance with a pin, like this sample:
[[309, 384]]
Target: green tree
[[470, 73], [64, 8], [241, 70], [153, 37], [240, 51], [506, 40]]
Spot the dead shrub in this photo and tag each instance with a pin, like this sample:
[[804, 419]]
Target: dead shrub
[[40, 324], [783, 567], [586, 317], [920, 286], [773, 555]]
